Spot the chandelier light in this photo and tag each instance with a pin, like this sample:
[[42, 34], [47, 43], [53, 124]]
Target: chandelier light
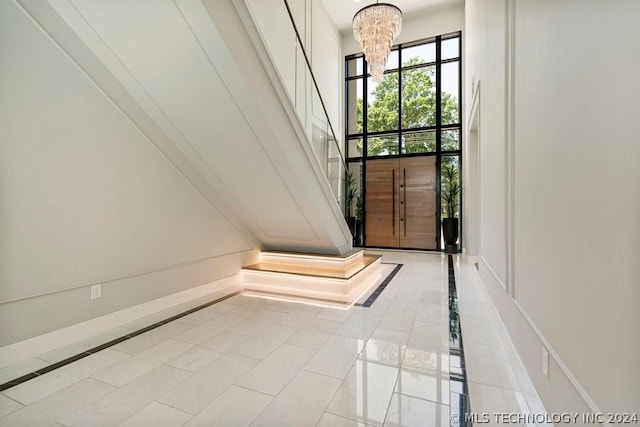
[[375, 27]]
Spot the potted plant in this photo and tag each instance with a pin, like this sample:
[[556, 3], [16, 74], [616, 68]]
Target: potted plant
[[450, 200], [350, 193]]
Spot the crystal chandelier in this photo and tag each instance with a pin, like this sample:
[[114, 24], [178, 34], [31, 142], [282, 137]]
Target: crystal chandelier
[[375, 27]]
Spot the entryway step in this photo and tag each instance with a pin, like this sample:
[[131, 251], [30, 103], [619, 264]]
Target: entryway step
[[345, 272], [328, 277], [313, 260]]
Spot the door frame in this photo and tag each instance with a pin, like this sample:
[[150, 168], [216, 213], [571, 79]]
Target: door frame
[[472, 174]]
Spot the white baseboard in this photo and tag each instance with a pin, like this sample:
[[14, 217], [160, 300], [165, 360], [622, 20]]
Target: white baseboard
[[32, 347], [563, 367], [535, 332]]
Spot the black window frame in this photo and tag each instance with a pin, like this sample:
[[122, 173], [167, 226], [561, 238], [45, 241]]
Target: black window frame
[[438, 128]]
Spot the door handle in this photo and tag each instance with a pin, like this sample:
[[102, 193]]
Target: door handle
[[393, 200], [404, 199]]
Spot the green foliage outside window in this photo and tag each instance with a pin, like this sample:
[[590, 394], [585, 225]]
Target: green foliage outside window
[[418, 110], [450, 187]]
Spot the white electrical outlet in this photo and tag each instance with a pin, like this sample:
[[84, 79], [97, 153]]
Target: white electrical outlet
[[545, 362], [96, 291]]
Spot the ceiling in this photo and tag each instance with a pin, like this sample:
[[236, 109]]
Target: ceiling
[[342, 11]]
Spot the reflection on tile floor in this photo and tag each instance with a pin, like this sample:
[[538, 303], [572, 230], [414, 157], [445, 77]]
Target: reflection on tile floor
[[459, 399], [253, 361]]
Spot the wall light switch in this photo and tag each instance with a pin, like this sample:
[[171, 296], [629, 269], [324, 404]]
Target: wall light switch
[[96, 291], [545, 362]]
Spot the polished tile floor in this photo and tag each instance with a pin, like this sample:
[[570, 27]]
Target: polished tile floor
[[263, 362]]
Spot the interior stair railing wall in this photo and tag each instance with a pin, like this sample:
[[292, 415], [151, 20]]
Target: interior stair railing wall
[[285, 41]]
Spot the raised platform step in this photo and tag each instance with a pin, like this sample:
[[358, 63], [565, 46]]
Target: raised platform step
[[326, 277], [317, 260], [317, 271]]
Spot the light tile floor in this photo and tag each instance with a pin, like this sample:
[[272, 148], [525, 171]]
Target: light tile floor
[[253, 361]]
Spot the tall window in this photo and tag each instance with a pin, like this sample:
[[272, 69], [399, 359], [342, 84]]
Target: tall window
[[414, 111]]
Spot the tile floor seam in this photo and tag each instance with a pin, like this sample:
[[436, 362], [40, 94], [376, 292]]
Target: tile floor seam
[[299, 346], [252, 390], [344, 418], [88, 403], [168, 406], [422, 398], [329, 401], [159, 403], [426, 400], [244, 355], [284, 387], [174, 367], [103, 382], [393, 390], [14, 400], [157, 400]]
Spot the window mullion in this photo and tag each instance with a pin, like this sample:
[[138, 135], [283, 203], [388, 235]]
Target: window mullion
[[438, 140], [399, 101]]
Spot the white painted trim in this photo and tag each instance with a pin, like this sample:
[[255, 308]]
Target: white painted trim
[[474, 105], [563, 366], [290, 96], [323, 14], [492, 271], [473, 113], [510, 144], [554, 354], [32, 347], [122, 277], [327, 16]]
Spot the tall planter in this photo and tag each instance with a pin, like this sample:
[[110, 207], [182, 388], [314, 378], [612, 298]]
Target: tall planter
[[351, 222], [450, 200], [357, 240], [450, 231]]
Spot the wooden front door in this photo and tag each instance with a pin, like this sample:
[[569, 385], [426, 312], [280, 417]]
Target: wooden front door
[[382, 202], [401, 203]]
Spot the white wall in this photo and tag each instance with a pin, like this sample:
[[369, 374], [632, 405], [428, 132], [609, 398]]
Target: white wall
[[327, 64], [146, 147], [487, 67], [572, 163], [276, 29], [87, 198]]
